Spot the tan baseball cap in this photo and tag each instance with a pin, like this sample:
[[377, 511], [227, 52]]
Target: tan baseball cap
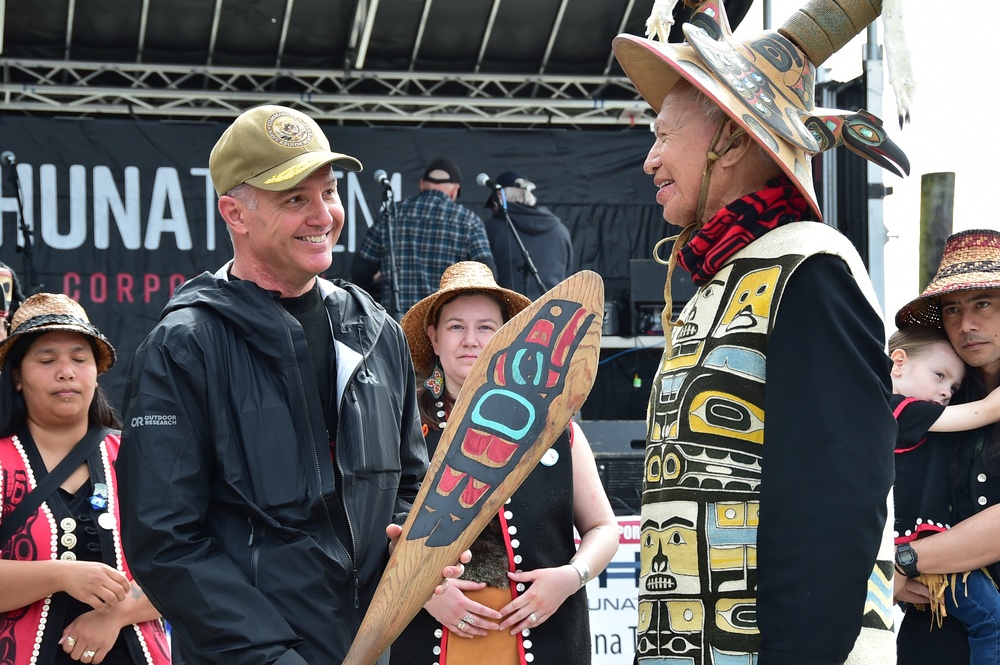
[[273, 148]]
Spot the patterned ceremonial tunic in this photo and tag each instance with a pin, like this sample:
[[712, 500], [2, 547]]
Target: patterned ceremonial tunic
[[704, 453]]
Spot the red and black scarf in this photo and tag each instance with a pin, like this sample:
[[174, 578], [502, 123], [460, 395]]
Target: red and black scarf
[[738, 224]]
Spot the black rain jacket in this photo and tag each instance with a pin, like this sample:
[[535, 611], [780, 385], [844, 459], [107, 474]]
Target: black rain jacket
[[256, 543]]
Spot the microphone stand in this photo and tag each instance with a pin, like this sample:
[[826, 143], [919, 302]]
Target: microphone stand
[[528, 267], [22, 224], [389, 207]]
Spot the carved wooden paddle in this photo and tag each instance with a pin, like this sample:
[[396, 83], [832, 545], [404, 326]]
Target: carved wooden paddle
[[530, 379]]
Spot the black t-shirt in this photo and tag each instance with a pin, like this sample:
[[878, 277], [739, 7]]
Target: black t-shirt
[[309, 310], [922, 495]]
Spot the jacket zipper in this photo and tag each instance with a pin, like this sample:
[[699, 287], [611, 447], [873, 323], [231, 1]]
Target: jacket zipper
[[254, 552], [349, 390], [319, 474]]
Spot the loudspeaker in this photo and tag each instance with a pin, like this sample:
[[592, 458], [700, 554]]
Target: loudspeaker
[[620, 452]]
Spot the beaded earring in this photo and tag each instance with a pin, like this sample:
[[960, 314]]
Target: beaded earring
[[435, 382]]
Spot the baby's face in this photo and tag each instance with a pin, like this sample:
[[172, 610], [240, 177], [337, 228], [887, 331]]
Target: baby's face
[[933, 375]]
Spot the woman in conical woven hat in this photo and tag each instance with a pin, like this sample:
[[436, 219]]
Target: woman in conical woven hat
[[68, 594], [521, 599], [769, 451]]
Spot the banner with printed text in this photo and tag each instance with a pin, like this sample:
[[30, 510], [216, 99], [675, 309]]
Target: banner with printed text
[[122, 211]]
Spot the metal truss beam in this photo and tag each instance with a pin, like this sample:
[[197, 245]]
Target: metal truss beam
[[353, 97]]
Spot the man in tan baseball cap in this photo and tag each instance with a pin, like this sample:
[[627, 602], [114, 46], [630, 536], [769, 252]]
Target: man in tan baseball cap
[[271, 421], [273, 171]]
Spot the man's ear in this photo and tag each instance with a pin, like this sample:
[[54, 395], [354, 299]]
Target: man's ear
[[740, 143], [231, 210], [898, 357]]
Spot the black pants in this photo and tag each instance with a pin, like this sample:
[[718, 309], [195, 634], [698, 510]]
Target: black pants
[[921, 643]]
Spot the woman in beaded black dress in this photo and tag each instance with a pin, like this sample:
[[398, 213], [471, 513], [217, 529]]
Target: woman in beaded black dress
[[521, 599], [67, 593]]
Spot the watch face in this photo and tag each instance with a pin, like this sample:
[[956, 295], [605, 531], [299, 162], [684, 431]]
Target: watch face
[[905, 556]]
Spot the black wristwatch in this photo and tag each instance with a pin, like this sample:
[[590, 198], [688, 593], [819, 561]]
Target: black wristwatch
[[906, 560]]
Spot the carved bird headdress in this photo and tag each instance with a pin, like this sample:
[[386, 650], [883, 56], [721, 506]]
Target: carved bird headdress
[[767, 83]]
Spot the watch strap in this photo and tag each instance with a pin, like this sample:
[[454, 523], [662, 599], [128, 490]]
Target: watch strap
[[906, 560]]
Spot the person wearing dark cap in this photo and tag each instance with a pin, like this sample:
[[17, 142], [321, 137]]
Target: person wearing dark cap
[[271, 425], [767, 481], [544, 236], [963, 299], [430, 232]]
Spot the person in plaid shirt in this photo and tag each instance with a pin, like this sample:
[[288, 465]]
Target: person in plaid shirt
[[431, 232]]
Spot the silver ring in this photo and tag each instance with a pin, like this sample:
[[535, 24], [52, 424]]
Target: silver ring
[[533, 618], [468, 618], [461, 625], [71, 641], [88, 654]]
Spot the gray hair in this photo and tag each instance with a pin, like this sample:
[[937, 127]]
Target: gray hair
[[714, 113], [247, 194], [710, 108], [521, 192]]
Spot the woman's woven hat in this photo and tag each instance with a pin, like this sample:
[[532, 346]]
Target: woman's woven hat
[[45, 312], [766, 83], [971, 261], [460, 278]]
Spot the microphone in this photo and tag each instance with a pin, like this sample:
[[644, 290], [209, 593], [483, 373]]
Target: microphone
[[487, 181], [7, 157], [382, 178]]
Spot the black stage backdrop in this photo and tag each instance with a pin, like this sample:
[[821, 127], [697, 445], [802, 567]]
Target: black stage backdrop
[[123, 211]]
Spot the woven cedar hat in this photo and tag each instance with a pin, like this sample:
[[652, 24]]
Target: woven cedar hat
[[767, 83], [462, 277], [45, 312], [971, 261]]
